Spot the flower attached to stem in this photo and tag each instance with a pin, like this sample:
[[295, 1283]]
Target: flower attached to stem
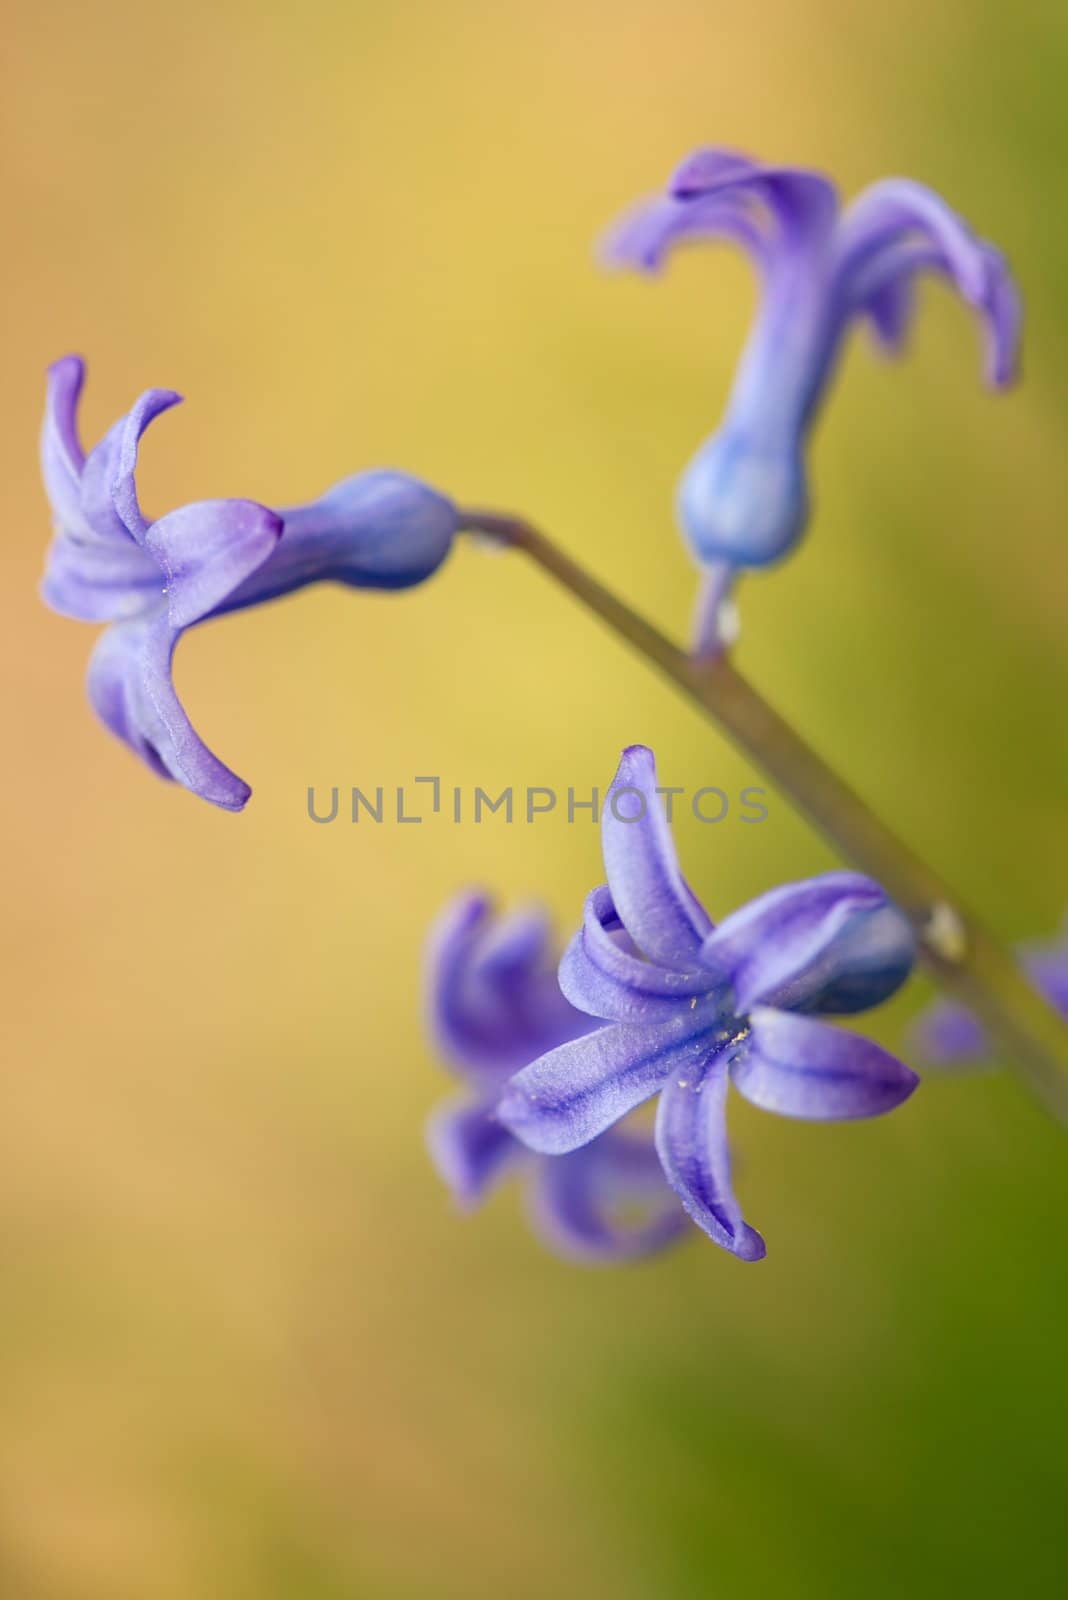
[[690, 1008], [743, 501], [151, 580], [494, 1004]]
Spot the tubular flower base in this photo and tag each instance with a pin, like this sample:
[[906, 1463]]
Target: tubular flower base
[[153, 580], [493, 1005], [691, 1007]]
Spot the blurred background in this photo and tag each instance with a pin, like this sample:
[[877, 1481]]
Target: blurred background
[[249, 1349]]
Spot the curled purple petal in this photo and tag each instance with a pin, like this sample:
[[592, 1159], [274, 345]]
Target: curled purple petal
[[601, 974], [802, 202], [471, 1150], [132, 691], [897, 228], [645, 236], [572, 1094], [656, 906], [830, 943], [607, 1202], [109, 471], [798, 1067], [691, 1139], [96, 571], [205, 551]]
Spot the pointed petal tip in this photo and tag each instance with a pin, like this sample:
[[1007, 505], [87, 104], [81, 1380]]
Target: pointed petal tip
[[70, 367]]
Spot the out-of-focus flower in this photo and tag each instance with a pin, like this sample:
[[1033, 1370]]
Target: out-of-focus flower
[[743, 501], [493, 1005], [691, 1007], [151, 580], [947, 1034]]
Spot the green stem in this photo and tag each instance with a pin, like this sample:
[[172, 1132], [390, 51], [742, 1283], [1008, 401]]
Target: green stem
[[966, 960]]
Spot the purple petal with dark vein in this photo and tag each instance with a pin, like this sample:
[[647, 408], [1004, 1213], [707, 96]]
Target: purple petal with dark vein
[[471, 1150], [605, 1203], [691, 1140], [207, 549], [655, 904], [572, 1094], [62, 457], [600, 975], [132, 692], [792, 946], [798, 1067], [804, 203]]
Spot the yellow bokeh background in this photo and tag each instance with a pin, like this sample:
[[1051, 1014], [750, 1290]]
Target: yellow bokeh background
[[248, 1346]]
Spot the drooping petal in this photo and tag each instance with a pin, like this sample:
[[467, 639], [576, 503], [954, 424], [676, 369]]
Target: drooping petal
[[471, 1150], [691, 1140], [830, 943], [491, 996], [645, 236], [802, 203], [569, 1096], [799, 1067], [131, 690], [206, 550], [606, 1202], [898, 228], [654, 902], [602, 975]]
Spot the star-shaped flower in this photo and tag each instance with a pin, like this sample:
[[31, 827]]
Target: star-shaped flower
[[151, 580], [493, 1005], [691, 1008]]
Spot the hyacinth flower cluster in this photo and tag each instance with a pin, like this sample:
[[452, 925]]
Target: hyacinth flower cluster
[[493, 1005], [744, 500], [150, 580], [652, 1002]]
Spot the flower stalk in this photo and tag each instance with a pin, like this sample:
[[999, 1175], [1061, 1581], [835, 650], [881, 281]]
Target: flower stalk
[[963, 957]]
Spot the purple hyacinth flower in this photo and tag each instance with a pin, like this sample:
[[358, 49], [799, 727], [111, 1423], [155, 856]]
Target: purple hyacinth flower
[[151, 580], [691, 1007], [947, 1034], [743, 501], [494, 1004]]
